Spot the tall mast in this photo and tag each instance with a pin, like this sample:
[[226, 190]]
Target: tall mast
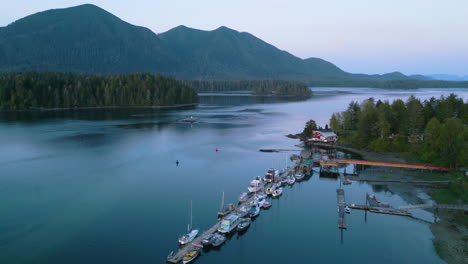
[[222, 203], [190, 214]]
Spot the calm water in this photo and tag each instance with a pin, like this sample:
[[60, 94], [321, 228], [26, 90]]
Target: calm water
[[103, 186]]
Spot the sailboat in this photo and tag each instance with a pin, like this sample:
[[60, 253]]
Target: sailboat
[[187, 238], [225, 210]]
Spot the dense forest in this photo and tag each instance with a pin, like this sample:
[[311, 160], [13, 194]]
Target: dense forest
[[20, 91], [258, 87], [435, 130]]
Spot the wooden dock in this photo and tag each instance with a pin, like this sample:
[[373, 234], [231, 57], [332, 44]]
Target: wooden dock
[[179, 255], [380, 210], [341, 202]]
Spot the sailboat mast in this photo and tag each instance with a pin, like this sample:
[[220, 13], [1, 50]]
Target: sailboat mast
[[190, 214]]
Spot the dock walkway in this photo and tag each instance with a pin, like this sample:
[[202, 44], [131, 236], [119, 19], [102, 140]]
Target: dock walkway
[[179, 255], [341, 202]]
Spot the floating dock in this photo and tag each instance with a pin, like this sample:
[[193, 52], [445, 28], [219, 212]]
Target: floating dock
[[341, 202], [328, 162], [179, 255]]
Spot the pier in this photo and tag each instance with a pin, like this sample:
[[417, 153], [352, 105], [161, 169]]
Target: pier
[[179, 255], [330, 162], [341, 202]]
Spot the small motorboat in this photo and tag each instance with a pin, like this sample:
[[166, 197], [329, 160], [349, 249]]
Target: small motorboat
[[170, 255], [291, 180], [347, 210], [278, 192], [206, 240], [192, 253], [217, 239], [254, 211], [299, 176], [255, 185], [244, 224], [188, 120], [243, 197], [243, 211], [268, 177], [261, 195], [261, 202], [266, 205], [187, 238], [269, 190]]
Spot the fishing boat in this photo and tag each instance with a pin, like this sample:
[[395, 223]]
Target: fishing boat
[[225, 210], [229, 223], [291, 180], [192, 253], [278, 192], [299, 176], [206, 240], [187, 238], [269, 190], [218, 239], [255, 186], [244, 224], [347, 210], [243, 197], [254, 211], [268, 177], [266, 205]]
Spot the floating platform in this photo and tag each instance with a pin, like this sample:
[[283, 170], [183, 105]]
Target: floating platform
[[341, 202]]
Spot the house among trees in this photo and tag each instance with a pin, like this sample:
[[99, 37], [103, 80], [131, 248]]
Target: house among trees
[[323, 136]]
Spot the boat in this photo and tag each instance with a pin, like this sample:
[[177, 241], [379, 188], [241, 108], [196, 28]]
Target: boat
[[261, 195], [243, 211], [244, 224], [255, 186], [269, 190], [291, 180], [218, 239], [254, 211], [268, 177], [188, 120], [278, 192], [243, 197], [261, 202], [225, 210], [229, 223], [206, 240], [266, 205], [192, 253], [170, 255], [299, 176], [187, 238], [347, 210]]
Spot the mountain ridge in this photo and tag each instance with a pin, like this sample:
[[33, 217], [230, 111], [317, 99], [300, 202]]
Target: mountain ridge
[[89, 39]]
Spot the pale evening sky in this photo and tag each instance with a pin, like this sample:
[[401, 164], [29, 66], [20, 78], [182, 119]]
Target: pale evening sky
[[359, 36]]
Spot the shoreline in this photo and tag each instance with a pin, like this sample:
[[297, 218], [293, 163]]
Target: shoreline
[[40, 109]]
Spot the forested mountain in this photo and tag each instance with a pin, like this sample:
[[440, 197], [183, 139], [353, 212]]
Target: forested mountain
[[88, 39], [84, 39]]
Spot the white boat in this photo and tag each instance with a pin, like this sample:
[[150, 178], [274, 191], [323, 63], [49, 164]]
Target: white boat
[[243, 211], [187, 238], [268, 177], [243, 197], [291, 180], [278, 192], [261, 202], [299, 176], [255, 186], [347, 210], [269, 190], [229, 223], [261, 195]]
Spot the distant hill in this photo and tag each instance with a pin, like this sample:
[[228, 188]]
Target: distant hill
[[448, 77], [88, 39]]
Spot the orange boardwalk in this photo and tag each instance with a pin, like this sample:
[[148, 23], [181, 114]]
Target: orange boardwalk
[[390, 164]]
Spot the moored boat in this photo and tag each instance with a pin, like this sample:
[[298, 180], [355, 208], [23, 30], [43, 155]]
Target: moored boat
[[255, 186], [254, 211], [299, 176], [187, 238], [244, 224], [206, 241], [266, 205], [278, 192], [243, 211], [218, 239], [229, 223], [243, 197], [192, 253], [347, 210]]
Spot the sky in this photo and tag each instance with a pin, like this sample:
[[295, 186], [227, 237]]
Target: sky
[[359, 36]]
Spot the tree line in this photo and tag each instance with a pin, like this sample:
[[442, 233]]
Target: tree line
[[20, 91], [435, 129], [258, 87]]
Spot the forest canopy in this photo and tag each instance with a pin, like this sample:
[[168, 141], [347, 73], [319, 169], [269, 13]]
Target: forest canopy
[[19, 91]]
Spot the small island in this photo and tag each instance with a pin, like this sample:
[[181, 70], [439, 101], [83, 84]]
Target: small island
[[57, 91]]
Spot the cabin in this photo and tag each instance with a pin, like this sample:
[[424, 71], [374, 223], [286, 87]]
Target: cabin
[[323, 136]]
